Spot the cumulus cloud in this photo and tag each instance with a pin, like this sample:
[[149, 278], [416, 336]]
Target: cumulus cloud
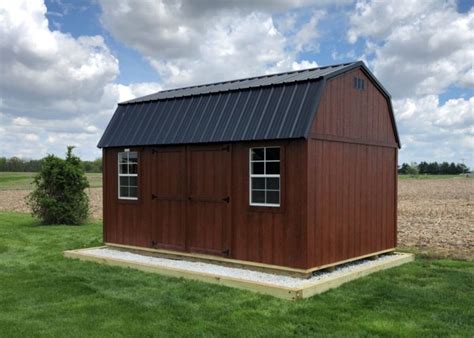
[[54, 86], [57, 89], [21, 121], [82, 129], [420, 50], [52, 69], [189, 42], [434, 131], [419, 53]]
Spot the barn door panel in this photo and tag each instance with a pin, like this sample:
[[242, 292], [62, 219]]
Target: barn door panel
[[208, 216], [169, 198]]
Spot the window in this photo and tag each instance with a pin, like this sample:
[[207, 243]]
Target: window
[[128, 175], [265, 176]]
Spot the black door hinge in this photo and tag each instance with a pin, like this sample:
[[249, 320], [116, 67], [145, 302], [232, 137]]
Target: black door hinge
[[153, 244], [226, 199], [226, 252], [153, 196], [226, 148]]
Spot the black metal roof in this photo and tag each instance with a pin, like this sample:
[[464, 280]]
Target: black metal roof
[[276, 106]]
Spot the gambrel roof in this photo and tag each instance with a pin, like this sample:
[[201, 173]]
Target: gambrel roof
[[269, 107]]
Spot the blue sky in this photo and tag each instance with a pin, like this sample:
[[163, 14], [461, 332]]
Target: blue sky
[[65, 64]]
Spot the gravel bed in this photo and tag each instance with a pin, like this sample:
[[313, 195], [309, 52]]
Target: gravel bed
[[244, 274]]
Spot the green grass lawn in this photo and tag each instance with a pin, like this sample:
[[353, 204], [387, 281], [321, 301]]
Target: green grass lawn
[[44, 294], [22, 181], [430, 177]]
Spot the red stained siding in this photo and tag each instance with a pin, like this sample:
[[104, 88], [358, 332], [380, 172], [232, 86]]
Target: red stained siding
[[188, 211], [351, 173], [168, 194], [271, 235], [357, 115]]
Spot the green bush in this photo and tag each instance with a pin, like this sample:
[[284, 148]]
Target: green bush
[[59, 196]]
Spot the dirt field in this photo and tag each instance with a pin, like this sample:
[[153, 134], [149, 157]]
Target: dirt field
[[14, 200], [435, 216]]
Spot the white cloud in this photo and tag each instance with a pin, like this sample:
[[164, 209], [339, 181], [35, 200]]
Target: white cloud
[[134, 90], [55, 89], [190, 42], [434, 131], [420, 50], [51, 69], [31, 137], [304, 39], [377, 19], [21, 121], [35, 137]]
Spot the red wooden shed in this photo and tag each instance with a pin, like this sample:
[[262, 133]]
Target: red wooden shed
[[294, 170]]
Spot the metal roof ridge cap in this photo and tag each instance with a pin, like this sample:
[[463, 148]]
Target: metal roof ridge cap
[[283, 83], [343, 69]]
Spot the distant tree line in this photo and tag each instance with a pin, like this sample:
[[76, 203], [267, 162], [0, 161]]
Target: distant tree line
[[16, 164], [433, 168]]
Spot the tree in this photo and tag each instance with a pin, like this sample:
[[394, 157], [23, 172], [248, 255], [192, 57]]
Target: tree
[[92, 166], [97, 165], [3, 164], [412, 169], [452, 170], [423, 167], [433, 168], [461, 168], [59, 196], [404, 169], [14, 164], [444, 168]]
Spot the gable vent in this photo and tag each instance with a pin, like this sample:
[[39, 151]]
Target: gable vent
[[359, 83]]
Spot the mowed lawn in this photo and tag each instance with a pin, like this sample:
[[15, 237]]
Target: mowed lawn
[[23, 180], [44, 294]]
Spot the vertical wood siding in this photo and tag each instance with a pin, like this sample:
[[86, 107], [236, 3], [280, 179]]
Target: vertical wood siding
[[208, 213], [168, 204], [351, 173], [271, 235], [351, 201], [361, 115], [202, 224]]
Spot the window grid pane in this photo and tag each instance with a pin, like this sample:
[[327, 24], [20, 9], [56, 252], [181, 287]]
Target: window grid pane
[[265, 176], [128, 175]]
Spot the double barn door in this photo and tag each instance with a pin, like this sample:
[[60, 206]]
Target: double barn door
[[191, 199]]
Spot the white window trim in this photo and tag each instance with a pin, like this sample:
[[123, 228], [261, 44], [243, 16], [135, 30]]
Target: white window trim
[[271, 205], [125, 175]]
